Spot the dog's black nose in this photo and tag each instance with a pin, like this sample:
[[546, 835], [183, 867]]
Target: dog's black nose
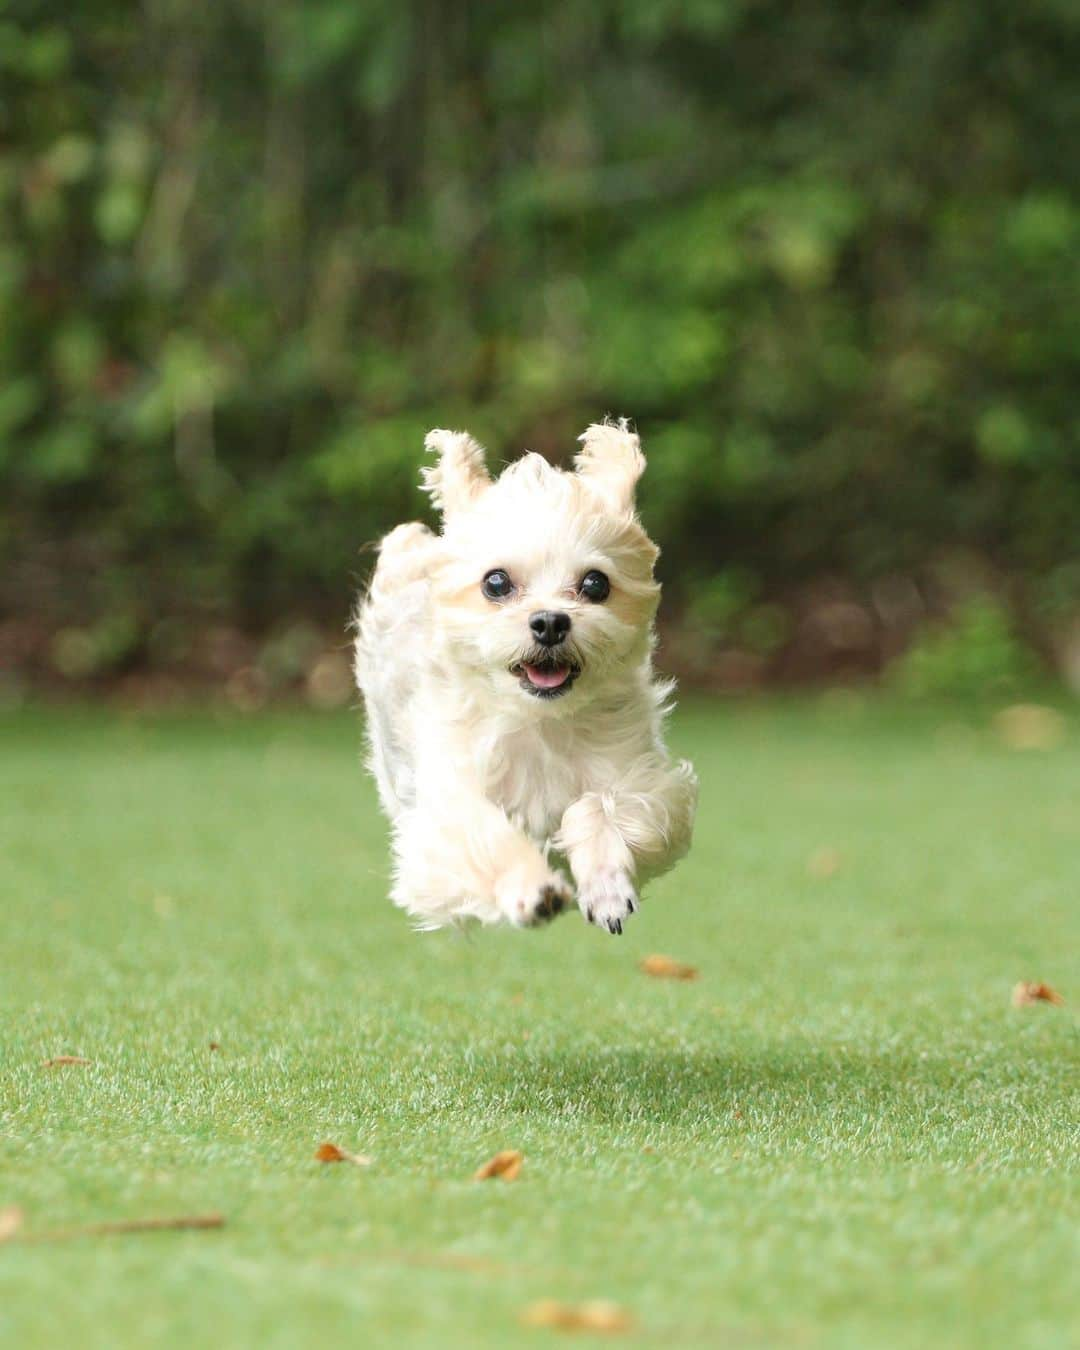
[[549, 626]]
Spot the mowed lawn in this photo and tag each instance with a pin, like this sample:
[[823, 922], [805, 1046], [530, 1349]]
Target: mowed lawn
[[840, 1134]]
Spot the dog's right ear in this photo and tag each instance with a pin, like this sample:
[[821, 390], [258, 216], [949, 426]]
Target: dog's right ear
[[460, 475]]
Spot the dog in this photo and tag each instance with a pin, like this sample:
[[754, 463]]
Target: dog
[[512, 709]]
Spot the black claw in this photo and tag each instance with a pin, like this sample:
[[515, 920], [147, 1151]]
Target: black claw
[[589, 915], [614, 925]]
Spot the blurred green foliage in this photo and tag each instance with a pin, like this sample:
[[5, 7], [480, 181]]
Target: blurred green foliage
[[827, 255], [979, 656]]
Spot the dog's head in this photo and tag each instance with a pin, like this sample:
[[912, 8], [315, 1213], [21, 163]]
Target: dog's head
[[545, 589]]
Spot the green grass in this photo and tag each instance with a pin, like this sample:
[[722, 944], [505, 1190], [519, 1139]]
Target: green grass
[[842, 1134]]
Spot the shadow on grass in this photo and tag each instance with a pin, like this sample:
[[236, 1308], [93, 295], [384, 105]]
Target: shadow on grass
[[632, 1084]]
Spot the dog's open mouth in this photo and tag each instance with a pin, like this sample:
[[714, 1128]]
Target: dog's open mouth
[[546, 677]]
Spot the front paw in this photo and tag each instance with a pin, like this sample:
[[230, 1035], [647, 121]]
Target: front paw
[[607, 899], [529, 898]]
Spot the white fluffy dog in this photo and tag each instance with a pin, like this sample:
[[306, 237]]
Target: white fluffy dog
[[506, 667]]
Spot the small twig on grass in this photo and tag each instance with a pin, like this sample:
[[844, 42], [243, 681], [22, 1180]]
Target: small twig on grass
[[116, 1227]]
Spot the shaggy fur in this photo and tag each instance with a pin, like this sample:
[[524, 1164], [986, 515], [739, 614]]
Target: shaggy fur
[[482, 765]]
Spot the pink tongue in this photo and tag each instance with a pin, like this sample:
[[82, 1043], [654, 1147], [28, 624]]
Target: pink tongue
[[547, 679]]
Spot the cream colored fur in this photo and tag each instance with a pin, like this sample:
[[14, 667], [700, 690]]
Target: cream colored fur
[[480, 778]]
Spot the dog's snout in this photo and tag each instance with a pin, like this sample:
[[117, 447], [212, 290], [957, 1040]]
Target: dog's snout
[[549, 626]]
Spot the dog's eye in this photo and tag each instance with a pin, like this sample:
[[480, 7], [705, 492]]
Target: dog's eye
[[595, 587], [497, 585]]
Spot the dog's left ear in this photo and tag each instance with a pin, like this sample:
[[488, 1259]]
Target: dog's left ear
[[460, 475], [611, 462]]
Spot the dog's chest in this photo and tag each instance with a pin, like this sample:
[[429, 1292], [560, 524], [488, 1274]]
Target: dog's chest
[[534, 777]]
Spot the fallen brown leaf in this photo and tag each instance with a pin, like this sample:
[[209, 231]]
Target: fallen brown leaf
[[505, 1164], [330, 1153], [214, 1045], [11, 1220], [1030, 726], [824, 863], [597, 1314], [60, 1060], [1031, 991], [667, 968]]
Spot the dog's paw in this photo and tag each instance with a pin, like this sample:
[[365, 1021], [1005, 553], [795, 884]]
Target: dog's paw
[[529, 900], [607, 899]]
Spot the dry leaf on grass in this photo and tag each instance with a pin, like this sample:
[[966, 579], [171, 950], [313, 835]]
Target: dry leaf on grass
[[667, 968], [11, 1220], [505, 1164], [1032, 991], [1030, 726], [60, 1060], [823, 863], [596, 1314], [330, 1153]]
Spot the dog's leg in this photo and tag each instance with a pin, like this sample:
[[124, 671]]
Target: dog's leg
[[462, 858], [613, 839]]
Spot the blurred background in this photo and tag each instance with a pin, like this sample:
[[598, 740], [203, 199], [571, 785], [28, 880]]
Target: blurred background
[[826, 255]]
